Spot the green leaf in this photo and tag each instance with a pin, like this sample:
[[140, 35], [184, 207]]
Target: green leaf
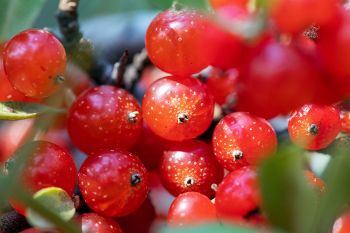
[[210, 229], [17, 15], [196, 4], [288, 198], [337, 195], [57, 200], [23, 110]]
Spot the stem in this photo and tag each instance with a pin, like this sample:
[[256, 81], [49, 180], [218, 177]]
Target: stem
[[67, 18]]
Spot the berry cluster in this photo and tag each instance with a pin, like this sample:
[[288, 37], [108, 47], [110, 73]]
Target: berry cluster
[[202, 129]]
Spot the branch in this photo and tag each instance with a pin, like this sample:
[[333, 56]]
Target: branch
[[67, 18]]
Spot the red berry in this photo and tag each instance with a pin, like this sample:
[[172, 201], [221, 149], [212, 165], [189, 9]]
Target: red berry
[[104, 117], [242, 139], [144, 216], [222, 84], [334, 50], [149, 148], [34, 60], [190, 166], [314, 127], [49, 165], [226, 49], [191, 208], [289, 14], [216, 4], [94, 223], [271, 78], [178, 108], [176, 40], [342, 224], [237, 195], [113, 183]]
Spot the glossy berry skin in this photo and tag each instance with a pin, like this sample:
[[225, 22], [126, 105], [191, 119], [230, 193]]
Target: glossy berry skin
[[314, 127], [176, 40], [237, 195], [222, 84], [49, 165], [7, 92], [149, 148], [342, 224], [241, 139], [178, 108], [94, 223], [333, 48], [144, 216], [271, 77], [190, 166], [289, 16], [113, 183], [104, 117], [33, 59], [191, 208], [216, 4]]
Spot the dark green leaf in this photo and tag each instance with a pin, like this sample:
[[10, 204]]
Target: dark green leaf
[[337, 178], [22, 110], [211, 229], [289, 200], [17, 15]]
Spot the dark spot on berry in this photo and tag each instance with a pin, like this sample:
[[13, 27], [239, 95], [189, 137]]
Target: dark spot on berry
[[42, 68], [132, 117], [313, 129], [182, 118], [252, 213], [135, 179], [189, 181], [237, 154]]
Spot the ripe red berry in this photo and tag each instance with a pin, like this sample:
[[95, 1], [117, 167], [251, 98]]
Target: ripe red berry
[[178, 108], [216, 4], [334, 50], [272, 76], [190, 166], [190, 209], [222, 84], [289, 16], [144, 216], [342, 224], [34, 60], [94, 223], [49, 165], [237, 195], [242, 139], [149, 148], [104, 117], [113, 183], [176, 40], [314, 127]]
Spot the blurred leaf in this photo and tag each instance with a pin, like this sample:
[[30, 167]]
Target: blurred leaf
[[288, 198], [337, 196], [197, 4], [23, 110], [17, 15], [210, 229], [57, 200]]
